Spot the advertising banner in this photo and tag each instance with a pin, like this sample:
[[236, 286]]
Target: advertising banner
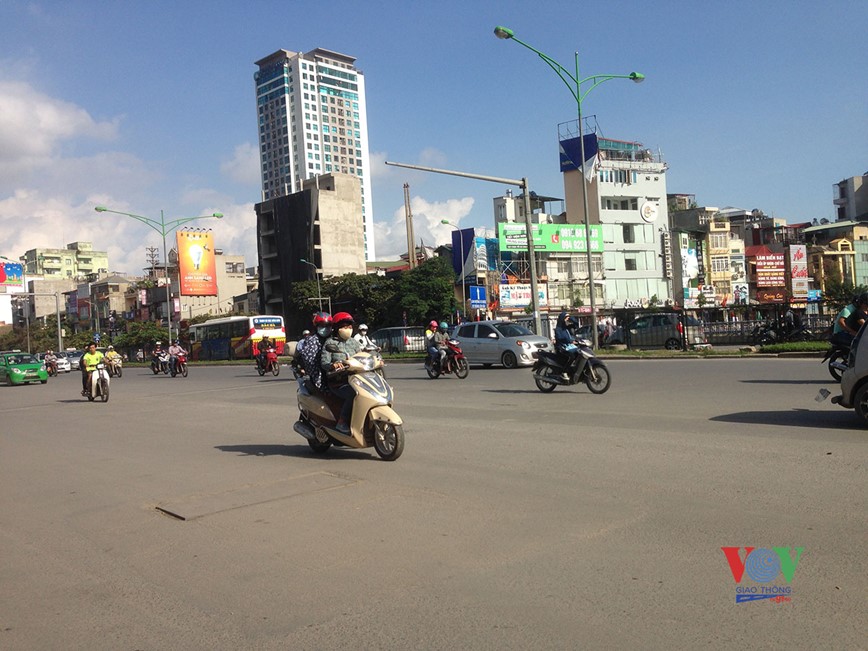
[[197, 267], [770, 270], [518, 295], [11, 274], [799, 271], [558, 238]]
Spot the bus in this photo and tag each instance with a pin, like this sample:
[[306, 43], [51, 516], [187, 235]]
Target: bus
[[235, 337]]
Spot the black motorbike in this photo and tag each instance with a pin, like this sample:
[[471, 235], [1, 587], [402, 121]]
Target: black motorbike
[[553, 369], [836, 360]]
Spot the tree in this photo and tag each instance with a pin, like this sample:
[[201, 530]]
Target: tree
[[424, 293], [141, 334], [838, 294]]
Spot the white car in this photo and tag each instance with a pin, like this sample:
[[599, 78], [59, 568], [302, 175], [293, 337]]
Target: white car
[[63, 365], [500, 342]]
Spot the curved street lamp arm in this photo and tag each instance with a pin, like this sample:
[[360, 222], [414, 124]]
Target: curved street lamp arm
[[560, 71], [602, 78]]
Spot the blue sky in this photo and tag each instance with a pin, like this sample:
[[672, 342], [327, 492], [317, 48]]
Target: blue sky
[[150, 106]]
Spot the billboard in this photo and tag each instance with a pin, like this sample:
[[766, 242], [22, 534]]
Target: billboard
[[799, 271], [197, 268], [558, 238], [11, 274], [770, 271], [519, 295]]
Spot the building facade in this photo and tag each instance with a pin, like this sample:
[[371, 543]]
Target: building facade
[[77, 260], [851, 198], [317, 225], [313, 121]]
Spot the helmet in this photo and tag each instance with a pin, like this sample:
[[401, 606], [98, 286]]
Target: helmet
[[363, 327], [444, 325], [177, 342], [342, 319], [322, 319], [110, 347], [862, 298], [432, 325], [305, 333]]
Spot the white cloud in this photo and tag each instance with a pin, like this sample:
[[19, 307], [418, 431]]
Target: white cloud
[[243, 167], [33, 126], [391, 237]]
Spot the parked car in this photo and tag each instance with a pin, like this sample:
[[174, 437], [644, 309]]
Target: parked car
[[21, 368], [400, 339], [500, 342], [74, 357], [663, 329]]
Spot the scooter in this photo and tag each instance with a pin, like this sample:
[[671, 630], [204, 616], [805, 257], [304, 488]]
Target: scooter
[[455, 362], [373, 423], [836, 360], [180, 365], [160, 363], [98, 384], [553, 369], [115, 367], [271, 363]]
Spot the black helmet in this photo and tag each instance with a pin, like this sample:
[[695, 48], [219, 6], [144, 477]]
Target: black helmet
[[861, 298]]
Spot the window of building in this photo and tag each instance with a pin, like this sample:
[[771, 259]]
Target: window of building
[[629, 234], [630, 263]]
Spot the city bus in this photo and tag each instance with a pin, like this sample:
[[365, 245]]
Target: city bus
[[235, 337]]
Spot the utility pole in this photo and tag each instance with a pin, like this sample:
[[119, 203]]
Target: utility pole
[[411, 235]]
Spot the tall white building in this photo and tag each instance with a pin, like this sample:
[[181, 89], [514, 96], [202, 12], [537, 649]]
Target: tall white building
[[313, 121]]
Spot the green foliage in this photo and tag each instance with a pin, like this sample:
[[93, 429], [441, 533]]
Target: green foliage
[[426, 292], [797, 347], [840, 294], [141, 334]]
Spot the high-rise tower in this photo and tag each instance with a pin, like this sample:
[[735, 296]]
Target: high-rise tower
[[313, 121]]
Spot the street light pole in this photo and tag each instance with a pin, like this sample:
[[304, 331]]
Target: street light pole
[[574, 84], [524, 185], [461, 248], [163, 228], [315, 275]]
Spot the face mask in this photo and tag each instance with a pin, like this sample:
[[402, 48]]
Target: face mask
[[345, 333]]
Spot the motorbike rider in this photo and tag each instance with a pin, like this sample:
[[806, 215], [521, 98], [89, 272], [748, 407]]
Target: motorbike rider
[[88, 365], [174, 350], [439, 339], [112, 356], [849, 320], [311, 352], [362, 337], [337, 349], [565, 338], [51, 360], [433, 353], [262, 347]]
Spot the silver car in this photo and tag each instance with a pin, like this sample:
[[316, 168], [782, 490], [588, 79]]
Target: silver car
[[500, 342]]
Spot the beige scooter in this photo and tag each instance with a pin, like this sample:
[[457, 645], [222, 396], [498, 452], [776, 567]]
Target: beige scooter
[[373, 424]]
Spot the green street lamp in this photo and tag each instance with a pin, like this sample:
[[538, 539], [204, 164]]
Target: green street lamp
[[574, 84], [163, 227], [463, 277]]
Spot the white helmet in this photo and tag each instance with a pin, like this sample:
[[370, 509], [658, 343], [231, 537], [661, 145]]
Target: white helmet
[[363, 327]]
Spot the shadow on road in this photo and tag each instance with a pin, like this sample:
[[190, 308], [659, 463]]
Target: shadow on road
[[301, 450], [844, 419], [785, 381]]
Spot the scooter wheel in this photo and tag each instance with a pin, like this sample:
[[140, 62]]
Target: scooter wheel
[[275, 369], [433, 373], [388, 440], [184, 370], [318, 446], [597, 378], [544, 385], [462, 368]]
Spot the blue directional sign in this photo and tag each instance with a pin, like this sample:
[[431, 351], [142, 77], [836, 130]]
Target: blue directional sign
[[477, 297]]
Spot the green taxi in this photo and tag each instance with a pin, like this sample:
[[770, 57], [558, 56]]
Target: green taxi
[[21, 368]]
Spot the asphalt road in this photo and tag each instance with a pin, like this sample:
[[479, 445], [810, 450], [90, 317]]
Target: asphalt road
[[514, 519]]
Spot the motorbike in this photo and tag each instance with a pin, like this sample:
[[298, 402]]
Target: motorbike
[[98, 384], [553, 369], [160, 363], [51, 369], [114, 366], [455, 362], [271, 363], [836, 360], [373, 423], [180, 365]]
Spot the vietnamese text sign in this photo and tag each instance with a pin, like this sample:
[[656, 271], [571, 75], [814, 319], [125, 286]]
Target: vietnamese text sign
[[196, 263], [799, 271], [770, 270], [562, 238], [519, 295]]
